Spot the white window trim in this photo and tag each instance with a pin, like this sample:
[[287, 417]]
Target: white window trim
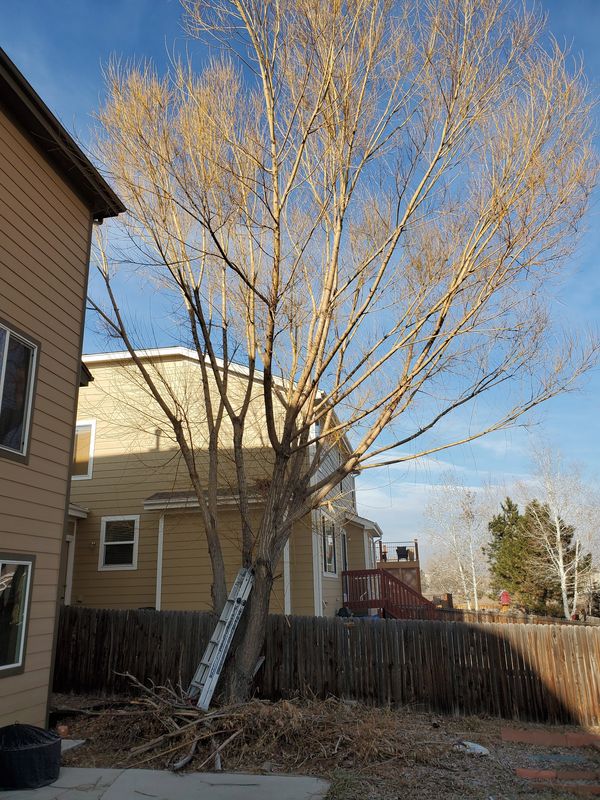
[[79, 424], [326, 573], [21, 562], [32, 372], [344, 550], [102, 567]]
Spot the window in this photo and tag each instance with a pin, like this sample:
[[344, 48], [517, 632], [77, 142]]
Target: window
[[329, 555], [83, 452], [118, 543], [15, 591], [17, 368], [344, 552]]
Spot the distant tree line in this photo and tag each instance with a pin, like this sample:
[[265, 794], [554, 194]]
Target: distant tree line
[[536, 556]]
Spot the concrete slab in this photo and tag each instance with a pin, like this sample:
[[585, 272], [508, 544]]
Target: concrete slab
[[145, 783], [138, 784], [73, 783]]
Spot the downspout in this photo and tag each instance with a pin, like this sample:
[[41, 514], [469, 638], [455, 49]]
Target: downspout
[[316, 545], [159, 562], [287, 589]]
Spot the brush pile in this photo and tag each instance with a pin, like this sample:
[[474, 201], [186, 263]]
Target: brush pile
[[161, 729]]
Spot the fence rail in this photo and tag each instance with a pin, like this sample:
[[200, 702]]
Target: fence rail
[[543, 673], [461, 615]]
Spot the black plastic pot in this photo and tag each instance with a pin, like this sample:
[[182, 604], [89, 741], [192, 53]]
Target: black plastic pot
[[29, 757]]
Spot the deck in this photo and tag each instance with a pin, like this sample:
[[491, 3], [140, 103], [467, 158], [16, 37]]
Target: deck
[[365, 589]]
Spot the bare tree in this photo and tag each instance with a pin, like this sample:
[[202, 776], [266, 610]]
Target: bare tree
[[457, 517], [363, 202], [441, 577], [564, 524]]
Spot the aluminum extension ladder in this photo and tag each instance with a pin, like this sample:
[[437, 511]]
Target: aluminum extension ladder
[[207, 675]]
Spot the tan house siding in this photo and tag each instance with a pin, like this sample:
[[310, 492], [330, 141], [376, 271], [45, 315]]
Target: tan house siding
[[301, 569], [135, 457], [186, 572], [43, 273], [332, 591], [356, 538]]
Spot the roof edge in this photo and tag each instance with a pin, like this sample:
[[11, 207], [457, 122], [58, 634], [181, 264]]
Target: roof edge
[[20, 100], [367, 524]]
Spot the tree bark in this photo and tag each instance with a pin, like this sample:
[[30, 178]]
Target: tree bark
[[241, 668], [564, 590]]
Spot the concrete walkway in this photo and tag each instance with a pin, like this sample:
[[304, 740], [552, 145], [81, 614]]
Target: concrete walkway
[[148, 784]]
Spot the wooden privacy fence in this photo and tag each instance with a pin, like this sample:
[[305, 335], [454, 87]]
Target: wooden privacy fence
[[461, 615], [531, 672]]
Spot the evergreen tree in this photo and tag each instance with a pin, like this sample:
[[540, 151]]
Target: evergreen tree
[[507, 555], [555, 558], [522, 559]]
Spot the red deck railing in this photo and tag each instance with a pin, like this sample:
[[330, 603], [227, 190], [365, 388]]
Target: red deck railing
[[377, 588]]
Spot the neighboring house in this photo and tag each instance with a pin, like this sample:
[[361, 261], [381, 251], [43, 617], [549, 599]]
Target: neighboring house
[[139, 541], [50, 195]]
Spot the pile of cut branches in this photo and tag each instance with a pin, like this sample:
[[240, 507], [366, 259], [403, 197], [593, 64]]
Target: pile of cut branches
[[160, 728]]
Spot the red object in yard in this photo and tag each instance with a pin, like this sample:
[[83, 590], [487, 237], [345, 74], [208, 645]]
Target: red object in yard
[[504, 598]]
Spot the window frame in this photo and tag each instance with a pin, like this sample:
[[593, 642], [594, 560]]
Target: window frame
[[8, 452], [344, 542], [102, 567], [324, 534], [90, 471], [26, 559]]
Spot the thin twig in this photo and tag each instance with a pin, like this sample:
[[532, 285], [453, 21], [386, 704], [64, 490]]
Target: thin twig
[[219, 748], [186, 759]]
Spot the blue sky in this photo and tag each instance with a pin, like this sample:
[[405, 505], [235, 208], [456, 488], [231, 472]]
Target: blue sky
[[61, 47]]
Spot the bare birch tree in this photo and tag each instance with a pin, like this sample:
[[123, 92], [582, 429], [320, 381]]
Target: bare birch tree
[[564, 524], [457, 518], [363, 202]]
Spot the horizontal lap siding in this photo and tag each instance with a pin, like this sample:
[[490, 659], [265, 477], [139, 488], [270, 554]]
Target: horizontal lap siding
[[187, 577], [44, 231], [133, 462], [355, 536], [187, 574], [129, 465], [301, 569], [114, 588]]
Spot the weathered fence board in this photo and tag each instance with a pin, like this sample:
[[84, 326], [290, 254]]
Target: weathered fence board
[[530, 672], [462, 615]]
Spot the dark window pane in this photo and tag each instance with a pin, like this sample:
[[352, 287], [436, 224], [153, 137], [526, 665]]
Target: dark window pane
[[118, 554], [120, 530], [13, 404], [13, 611]]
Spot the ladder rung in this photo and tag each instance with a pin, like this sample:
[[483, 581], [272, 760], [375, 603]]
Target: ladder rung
[[207, 674]]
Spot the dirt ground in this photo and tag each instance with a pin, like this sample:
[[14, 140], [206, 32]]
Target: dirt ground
[[366, 753]]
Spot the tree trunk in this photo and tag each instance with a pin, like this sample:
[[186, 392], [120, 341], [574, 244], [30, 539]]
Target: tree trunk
[[474, 578], [561, 567], [465, 585], [242, 665], [576, 578]]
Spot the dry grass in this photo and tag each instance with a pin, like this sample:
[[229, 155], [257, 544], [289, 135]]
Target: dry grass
[[366, 753]]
